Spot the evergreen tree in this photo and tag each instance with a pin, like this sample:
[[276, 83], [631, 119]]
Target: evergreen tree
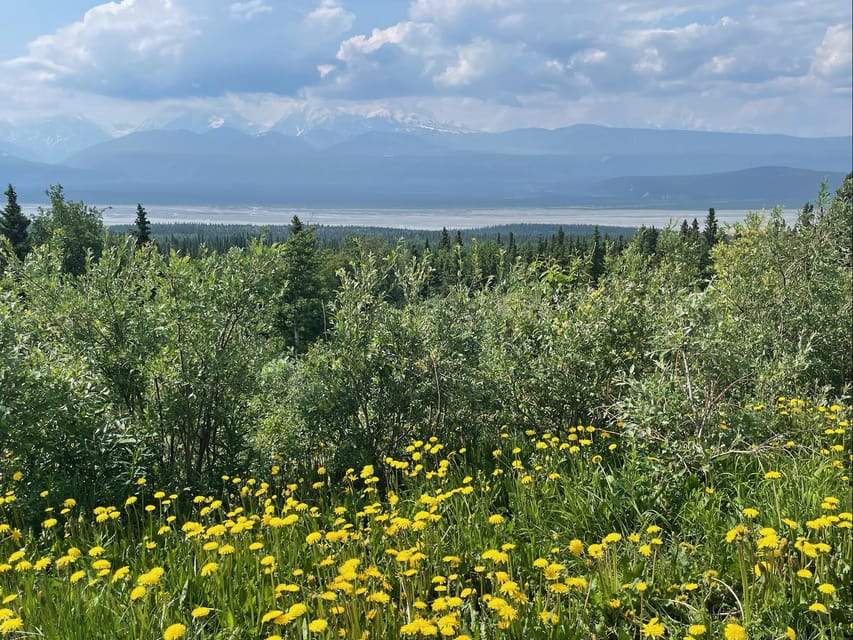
[[511, 250], [558, 245], [296, 226], [709, 238], [301, 302], [143, 227], [646, 240], [694, 231], [805, 219], [711, 230], [596, 267], [13, 224]]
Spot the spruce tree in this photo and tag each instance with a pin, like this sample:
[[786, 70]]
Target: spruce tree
[[558, 245], [709, 238], [711, 228], [143, 227], [300, 312], [596, 267], [13, 224], [694, 234]]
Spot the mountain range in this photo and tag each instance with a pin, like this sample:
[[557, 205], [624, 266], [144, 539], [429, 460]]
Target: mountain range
[[324, 158]]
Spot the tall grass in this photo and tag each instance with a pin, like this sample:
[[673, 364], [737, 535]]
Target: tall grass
[[576, 534]]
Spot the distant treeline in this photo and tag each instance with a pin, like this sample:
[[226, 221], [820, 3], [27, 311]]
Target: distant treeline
[[187, 237]]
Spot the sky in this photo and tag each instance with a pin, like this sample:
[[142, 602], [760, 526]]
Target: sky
[[780, 66]]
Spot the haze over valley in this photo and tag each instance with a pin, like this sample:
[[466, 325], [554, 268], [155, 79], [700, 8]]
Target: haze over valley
[[342, 160]]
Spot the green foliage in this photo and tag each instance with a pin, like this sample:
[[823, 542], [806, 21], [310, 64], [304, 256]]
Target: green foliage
[[301, 304], [13, 224], [186, 367], [73, 229], [142, 362], [386, 373], [143, 226]]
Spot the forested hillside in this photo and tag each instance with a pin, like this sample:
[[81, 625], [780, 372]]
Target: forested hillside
[[466, 437]]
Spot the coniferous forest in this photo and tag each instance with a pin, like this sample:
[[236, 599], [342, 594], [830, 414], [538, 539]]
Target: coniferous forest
[[305, 433]]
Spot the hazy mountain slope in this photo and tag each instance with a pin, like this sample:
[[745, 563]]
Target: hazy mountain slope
[[383, 167], [54, 139], [31, 179], [761, 187]]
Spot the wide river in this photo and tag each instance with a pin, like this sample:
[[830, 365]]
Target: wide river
[[411, 218]]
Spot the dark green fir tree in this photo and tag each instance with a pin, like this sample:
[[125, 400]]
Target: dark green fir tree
[[143, 226], [13, 224]]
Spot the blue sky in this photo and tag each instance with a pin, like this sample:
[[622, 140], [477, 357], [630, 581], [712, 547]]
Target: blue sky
[[25, 21], [781, 66]]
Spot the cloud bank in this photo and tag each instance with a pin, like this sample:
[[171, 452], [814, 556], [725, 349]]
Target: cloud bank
[[765, 66]]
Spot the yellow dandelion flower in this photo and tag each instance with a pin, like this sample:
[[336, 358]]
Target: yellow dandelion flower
[[174, 631], [653, 629], [318, 626], [271, 615], [151, 577], [120, 574], [576, 547], [11, 624]]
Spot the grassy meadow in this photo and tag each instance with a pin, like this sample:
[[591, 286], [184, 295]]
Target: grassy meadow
[[552, 538], [563, 439]]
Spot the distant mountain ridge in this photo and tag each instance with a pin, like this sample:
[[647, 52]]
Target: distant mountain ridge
[[54, 139], [383, 160]]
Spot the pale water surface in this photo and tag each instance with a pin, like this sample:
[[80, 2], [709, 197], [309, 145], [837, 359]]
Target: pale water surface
[[411, 218]]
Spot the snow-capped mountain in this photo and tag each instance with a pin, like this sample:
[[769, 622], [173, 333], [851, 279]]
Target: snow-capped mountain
[[54, 139], [198, 121], [324, 127]]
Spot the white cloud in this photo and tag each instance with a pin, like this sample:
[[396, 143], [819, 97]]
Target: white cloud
[[451, 10], [651, 62], [588, 56], [144, 31], [833, 58], [248, 10], [472, 62], [152, 49], [720, 65], [411, 36], [500, 61], [331, 17]]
